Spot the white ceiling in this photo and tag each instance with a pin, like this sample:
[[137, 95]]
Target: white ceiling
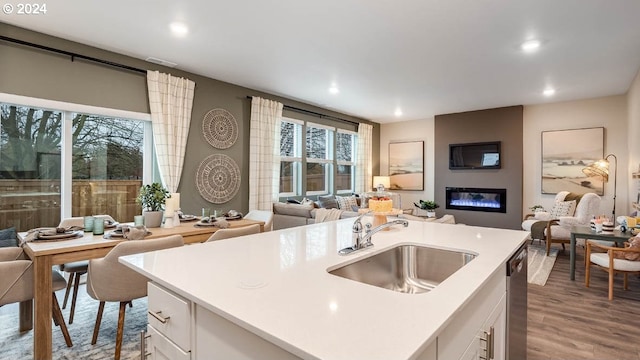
[[426, 57]]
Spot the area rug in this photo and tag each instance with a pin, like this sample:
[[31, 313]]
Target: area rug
[[539, 264], [16, 345]]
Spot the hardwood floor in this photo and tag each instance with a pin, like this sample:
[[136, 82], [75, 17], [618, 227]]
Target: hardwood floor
[[566, 320]]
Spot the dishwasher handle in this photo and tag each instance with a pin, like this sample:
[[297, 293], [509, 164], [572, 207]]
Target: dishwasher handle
[[517, 262]]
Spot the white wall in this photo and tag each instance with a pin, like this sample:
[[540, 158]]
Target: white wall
[[633, 100], [619, 115], [609, 112], [415, 130]]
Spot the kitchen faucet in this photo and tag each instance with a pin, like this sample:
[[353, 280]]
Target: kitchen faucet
[[364, 241]]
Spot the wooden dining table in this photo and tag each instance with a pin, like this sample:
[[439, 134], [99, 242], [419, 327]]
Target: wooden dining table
[[46, 254]]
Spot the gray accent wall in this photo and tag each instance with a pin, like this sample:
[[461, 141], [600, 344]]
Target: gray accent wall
[[501, 124], [36, 73]]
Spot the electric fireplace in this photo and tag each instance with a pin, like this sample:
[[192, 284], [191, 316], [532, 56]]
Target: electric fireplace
[[476, 199]]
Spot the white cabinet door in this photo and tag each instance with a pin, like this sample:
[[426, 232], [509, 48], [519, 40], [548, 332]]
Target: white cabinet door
[[472, 353], [170, 315], [217, 338], [485, 346], [161, 348], [497, 322], [461, 338]]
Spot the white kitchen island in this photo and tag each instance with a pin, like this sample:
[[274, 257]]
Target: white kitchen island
[[269, 295]]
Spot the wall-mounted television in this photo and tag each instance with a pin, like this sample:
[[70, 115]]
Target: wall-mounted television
[[484, 155]]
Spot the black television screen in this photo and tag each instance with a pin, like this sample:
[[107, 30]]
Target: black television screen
[[484, 155]]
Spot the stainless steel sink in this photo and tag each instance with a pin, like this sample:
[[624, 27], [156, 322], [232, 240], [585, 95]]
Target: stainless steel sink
[[412, 269]]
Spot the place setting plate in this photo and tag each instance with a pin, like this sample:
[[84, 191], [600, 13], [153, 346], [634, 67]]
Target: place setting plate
[[110, 224], [235, 217], [60, 236], [187, 218], [118, 233], [232, 215], [212, 222]]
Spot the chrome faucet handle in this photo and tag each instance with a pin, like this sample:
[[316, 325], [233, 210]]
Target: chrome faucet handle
[[367, 227], [367, 231], [357, 224]]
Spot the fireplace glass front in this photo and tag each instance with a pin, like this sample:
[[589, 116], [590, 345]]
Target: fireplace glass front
[[477, 199]]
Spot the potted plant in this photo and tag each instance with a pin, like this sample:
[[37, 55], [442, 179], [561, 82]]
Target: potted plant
[[427, 206], [536, 208], [152, 198]]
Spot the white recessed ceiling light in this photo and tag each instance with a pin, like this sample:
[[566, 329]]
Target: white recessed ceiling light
[[530, 45], [334, 89], [398, 112], [179, 29], [549, 92]]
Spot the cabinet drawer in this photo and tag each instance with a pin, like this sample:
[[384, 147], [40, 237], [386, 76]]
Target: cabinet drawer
[[161, 348], [173, 315]]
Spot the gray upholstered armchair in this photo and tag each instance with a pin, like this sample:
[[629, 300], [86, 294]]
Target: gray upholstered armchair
[[557, 228], [108, 280], [16, 284]]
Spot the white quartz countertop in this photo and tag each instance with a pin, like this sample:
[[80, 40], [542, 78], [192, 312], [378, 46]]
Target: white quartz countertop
[[276, 285]]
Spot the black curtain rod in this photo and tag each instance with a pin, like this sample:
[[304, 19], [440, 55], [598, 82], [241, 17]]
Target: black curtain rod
[[72, 55], [313, 113]]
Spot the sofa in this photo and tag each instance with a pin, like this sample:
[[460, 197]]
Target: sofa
[[286, 215]]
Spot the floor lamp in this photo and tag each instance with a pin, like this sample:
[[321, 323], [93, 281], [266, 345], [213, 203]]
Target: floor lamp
[[601, 168]]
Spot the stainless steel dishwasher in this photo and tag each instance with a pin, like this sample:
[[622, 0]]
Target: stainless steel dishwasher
[[516, 346]]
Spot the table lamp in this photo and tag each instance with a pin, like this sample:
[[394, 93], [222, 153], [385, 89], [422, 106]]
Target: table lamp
[[381, 181]]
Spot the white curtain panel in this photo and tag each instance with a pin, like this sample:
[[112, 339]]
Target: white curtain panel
[[364, 166], [170, 100], [264, 153]]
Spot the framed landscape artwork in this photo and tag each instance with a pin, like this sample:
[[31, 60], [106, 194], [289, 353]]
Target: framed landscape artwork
[[406, 165], [565, 153]]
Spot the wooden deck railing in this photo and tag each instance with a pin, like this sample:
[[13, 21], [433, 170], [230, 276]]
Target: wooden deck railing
[[27, 204]]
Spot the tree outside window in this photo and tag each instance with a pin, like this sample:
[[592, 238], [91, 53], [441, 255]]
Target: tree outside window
[[106, 160]]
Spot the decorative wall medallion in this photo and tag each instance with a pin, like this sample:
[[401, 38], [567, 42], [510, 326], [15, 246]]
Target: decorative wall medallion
[[220, 128], [218, 178]]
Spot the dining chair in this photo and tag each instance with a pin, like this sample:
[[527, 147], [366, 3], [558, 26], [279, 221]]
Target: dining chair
[[234, 232], [77, 268], [262, 215], [16, 284], [608, 262], [108, 280]]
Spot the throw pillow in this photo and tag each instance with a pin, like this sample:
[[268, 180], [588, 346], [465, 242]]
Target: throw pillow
[[346, 202], [327, 202], [8, 237], [563, 208], [306, 201]]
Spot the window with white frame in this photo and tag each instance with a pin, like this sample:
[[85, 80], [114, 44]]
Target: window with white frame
[[319, 145], [290, 157], [345, 161], [72, 161], [326, 165]]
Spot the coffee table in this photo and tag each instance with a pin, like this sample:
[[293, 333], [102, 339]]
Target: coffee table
[[585, 232]]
